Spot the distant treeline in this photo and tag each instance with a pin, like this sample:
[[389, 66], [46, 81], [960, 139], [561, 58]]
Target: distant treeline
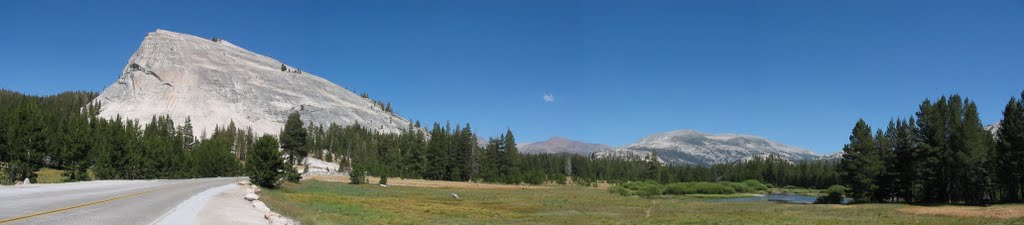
[[941, 155], [64, 132], [453, 154]]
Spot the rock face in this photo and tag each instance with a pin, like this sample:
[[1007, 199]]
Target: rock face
[[215, 82], [562, 145], [697, 148], [994, 128]]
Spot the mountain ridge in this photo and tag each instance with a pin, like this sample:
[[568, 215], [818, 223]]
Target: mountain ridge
[[215, 82], [693, 147]]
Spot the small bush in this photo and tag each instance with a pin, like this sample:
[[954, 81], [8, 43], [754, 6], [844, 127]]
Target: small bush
[[835, 195], [383, 179], [357, 175], [679, 188], [756, 185], [619, 189], [738, 187], [643, 189], [713, 188]]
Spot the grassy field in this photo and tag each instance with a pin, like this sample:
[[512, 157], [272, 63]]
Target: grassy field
[[49, 175], [318, 202]]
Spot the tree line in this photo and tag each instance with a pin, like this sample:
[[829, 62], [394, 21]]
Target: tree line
[[452, 153], [943, 154], [64, 132]]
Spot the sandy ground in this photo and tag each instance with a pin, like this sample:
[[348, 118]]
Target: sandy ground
[[429, 183], [996, 211], [228, 207]]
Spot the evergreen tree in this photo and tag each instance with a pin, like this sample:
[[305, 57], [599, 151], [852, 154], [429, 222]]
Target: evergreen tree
[[1010, 150], [265, 166], [860, 163], [212, 158], [293, 139]]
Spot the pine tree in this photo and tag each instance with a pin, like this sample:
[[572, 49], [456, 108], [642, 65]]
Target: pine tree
[[510, 159], [437, 154], [1010, 150], [293, 139], [860, 163], [265, 165]]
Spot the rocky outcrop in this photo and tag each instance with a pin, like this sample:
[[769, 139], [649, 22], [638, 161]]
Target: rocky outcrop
[[216, 82]]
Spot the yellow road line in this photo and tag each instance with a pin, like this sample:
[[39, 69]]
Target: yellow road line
[[17, 218]]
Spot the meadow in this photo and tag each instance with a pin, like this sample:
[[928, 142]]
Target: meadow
[[321, 202]]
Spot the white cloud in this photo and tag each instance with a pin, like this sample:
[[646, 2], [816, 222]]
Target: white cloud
[[549, 98]]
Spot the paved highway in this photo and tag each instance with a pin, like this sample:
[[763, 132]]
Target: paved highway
[[99, 202]]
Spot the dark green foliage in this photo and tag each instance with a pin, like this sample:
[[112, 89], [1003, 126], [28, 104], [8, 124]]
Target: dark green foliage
[[383, 180], [1010, 150], [834, 195], [861, 163], [358, 175], [213, 158], [944, 156], [643, 189], [265, 166], [293, 139], [683, 188]]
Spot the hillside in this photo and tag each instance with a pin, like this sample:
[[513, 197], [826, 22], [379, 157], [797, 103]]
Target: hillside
[[214, 82], [698, 148]]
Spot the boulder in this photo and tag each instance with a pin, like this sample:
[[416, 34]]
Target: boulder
[[251, 196], [244, 183], [260, 206], [27, 181], [277, 219]]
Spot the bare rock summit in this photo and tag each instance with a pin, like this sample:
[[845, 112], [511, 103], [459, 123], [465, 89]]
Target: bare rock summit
[[215, 82]]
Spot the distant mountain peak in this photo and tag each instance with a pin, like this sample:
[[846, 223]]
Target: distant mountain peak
[[214, 82], [699, 148], [557, 144]]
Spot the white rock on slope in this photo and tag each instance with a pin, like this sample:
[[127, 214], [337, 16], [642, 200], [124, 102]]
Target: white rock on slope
[[556, 145], [216, 82], [694, 147]]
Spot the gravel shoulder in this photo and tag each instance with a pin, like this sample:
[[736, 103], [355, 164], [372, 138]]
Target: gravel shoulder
[[228, 207]]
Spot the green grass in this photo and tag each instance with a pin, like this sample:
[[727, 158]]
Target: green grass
[[315, 202], [49, 175]]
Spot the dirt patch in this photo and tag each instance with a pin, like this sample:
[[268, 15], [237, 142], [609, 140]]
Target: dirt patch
[[429, 183], [997, 211]]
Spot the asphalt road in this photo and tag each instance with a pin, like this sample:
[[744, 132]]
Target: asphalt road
[[100, 202]]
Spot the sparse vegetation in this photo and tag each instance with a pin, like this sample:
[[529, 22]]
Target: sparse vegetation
[[646, 189]]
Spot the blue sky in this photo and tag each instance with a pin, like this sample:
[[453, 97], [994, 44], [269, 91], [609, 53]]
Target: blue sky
[[800, 72]]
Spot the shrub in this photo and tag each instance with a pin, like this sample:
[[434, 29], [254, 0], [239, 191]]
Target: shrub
[[533, 177], [383, 179], [291, 175], [679, 188], [756, 185], [643, 189], [619, 189], [738, 187], [835, 195], [713, 188], [357, 175]]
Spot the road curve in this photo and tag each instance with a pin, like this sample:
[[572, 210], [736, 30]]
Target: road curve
[[100, 202]]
